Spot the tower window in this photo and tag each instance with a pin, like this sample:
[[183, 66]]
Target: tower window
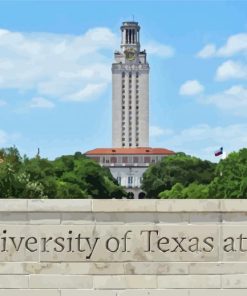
[[130, 180], [137, 74], [123, 74]]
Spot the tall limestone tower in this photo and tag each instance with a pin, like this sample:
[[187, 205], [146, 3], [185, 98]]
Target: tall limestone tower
[[130, 91], [130, 154]]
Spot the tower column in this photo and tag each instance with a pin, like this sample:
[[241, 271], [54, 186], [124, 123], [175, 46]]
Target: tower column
[[130, 107]]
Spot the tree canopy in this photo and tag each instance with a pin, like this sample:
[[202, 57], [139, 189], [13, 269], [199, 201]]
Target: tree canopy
[[70, 176], [179, 168], [183, 176]]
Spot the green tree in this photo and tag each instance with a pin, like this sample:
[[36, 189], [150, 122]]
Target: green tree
[[179, 168], [68, 176], [175, 192], [231, 177]]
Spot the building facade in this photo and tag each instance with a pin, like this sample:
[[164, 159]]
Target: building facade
[[127, 165], [131, 155], [130, 91]]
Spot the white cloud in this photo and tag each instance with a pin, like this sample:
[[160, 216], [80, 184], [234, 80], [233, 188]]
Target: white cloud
[[158, 49], [61, 66], [39, 102], [202, 140], [87, 92], [208, 51], [156, 131], [54, 64], [3, 103], [191, 88], [231, 70], [235, 44], [233, 100]]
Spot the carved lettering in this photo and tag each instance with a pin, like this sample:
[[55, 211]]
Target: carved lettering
[[149, 235], [230, 246], [31, 241], [195, 246], [112, 244], [208, 244]]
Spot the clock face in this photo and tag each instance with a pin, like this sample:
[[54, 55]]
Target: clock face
[[130, 54]]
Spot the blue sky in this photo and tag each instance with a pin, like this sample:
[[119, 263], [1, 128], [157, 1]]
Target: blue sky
[[55, 74]]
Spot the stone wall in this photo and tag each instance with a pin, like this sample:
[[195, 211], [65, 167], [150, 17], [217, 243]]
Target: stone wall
[[123, 247]]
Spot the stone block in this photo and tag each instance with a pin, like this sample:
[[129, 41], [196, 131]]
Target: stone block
[[125, 282], [188, 205], [217, 268], [218, 292], [233, 205], [59, 205], [93, 268], [234, 218], [109, 218], [205, 268], [156, 268], [113, 205], [189, 281], [13, 281], [205, 218], [173, 218], [154, 292], [44, 218], [13, 205], [60, 282], [29, 292], [79, 292], [234, 281], [12, 268], [77, 218], [13, 218]]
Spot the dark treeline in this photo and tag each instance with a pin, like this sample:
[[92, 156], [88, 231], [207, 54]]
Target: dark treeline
[[184, 176], [76, 176], [70, 176]]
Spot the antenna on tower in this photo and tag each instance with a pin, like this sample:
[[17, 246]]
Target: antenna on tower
[[38, 153], [133, 17]]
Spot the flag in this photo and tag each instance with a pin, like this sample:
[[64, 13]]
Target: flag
[[218, 152]]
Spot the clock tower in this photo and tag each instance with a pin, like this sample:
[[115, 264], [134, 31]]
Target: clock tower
[[130, 91]]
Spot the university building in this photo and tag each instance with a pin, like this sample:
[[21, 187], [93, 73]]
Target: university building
[[130, 154]]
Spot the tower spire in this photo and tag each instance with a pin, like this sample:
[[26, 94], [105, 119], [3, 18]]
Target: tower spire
[[130, 91]]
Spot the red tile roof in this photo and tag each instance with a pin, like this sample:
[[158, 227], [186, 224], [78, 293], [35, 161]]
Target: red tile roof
[[137, 150]]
